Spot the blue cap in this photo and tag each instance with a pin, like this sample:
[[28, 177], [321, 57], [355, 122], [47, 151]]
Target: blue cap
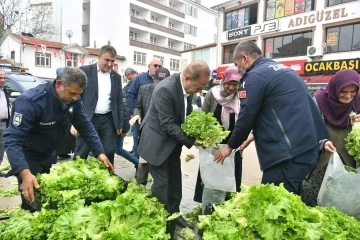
[[58, 70]]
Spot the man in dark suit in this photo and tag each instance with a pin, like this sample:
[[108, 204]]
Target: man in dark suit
[[4, 112], [162, 138], [102, 99]]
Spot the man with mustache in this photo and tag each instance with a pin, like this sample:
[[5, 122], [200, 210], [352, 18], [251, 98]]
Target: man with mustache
[[40, 116]]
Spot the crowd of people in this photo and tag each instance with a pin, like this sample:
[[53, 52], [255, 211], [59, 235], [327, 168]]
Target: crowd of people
[[257, 100]]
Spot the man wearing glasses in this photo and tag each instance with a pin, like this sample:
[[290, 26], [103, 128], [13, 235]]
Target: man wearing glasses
[[141, 80]]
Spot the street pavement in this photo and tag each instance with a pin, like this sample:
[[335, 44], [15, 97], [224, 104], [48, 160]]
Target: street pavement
[[251, 174]]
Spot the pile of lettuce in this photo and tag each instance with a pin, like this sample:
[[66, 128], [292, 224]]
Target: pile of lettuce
[[271, 212], [204, 128], [75, 180], [132, 215]]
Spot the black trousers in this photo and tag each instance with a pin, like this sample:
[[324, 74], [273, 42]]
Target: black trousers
[[292, 172], [104, 126], [199, 187], [167, 185]]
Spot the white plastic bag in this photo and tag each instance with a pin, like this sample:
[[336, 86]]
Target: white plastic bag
[[340, 188], [216, 175]]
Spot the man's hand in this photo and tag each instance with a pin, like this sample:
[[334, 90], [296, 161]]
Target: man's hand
[[118, 131], [246, 142], [29, 182], [222, 154], [329, 147], [355, 119], [123, 134], [103, 158], [73, 131], [135, 119]]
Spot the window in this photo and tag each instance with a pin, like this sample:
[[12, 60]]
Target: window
[[174, 64], [171, 25], [241, 17], [11, 87], [133, 36], [336, 2], [139, 58], [42, 60], [191, 30], [160, 57], [73, 61], [153, 40], [171, 45], [134, 13], [201, 54], [153, 18], [12, 55], [282, 8], [191, 11], [228, 53], [288, 46], [188, 46], [343, 38]]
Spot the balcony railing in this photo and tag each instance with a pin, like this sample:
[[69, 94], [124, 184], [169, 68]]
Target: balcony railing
[[167, 8], [156, 25], [148, 44]]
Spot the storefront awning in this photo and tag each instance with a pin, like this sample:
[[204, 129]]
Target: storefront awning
[[317, 78]]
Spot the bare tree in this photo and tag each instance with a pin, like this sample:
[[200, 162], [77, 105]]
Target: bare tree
[[12, 11], [22, 16], [39, 21]]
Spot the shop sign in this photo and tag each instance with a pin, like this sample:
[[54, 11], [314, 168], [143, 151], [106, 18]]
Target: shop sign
[[331, 66], [239, 33], [318, 17], [266, 27], [296, 65]]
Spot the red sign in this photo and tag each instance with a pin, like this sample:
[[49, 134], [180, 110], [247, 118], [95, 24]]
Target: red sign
[[296, 65]]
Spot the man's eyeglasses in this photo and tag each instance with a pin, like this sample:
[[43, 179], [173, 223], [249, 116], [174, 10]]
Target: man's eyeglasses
[[156, 65]]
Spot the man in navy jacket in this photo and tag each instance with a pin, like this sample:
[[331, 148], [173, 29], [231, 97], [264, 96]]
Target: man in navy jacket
[[286, 123], [141, 80]]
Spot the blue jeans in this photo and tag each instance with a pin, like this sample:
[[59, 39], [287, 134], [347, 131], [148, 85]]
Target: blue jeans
[[135, 133], [122, 152]]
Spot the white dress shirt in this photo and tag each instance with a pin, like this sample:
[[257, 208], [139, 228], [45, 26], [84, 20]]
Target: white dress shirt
[[104, 92], [185, 95], [3, 105]]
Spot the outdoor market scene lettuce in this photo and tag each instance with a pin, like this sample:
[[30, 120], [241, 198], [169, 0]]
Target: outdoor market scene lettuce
[[80, 179], [205, 128]]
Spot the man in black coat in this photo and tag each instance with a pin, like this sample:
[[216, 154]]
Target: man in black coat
[[103, 103]]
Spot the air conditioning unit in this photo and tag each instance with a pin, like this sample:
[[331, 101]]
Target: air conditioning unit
[[315, 51]]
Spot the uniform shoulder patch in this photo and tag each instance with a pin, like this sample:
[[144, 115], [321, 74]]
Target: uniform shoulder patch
[[17, 119]]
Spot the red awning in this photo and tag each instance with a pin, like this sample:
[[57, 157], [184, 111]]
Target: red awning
[[317, 78], [221, 70]]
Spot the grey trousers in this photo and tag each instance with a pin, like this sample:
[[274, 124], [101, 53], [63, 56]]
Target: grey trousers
[[2, 130]]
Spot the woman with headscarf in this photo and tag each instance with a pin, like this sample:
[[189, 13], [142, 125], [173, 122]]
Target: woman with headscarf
[[335, 101], [224, 102]]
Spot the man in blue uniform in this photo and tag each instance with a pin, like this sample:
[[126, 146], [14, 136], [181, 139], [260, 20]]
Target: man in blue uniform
[[286, 123], [40, 117]]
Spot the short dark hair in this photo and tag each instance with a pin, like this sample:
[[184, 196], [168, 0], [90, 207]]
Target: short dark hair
[[197, 69], [248, 48], [109, 49], [69, 75], [129, 70]]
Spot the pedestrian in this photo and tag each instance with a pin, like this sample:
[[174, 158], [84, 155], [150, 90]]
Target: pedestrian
[[37, 127], [120, 138], [162, 138], [140, 110], [103, 102], [286, 123], [224, 103], [4, 112], [335, 101], [140, 80], [130, 75]]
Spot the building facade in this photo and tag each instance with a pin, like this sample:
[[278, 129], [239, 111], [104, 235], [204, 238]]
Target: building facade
[[138, 29], [314, 37]]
